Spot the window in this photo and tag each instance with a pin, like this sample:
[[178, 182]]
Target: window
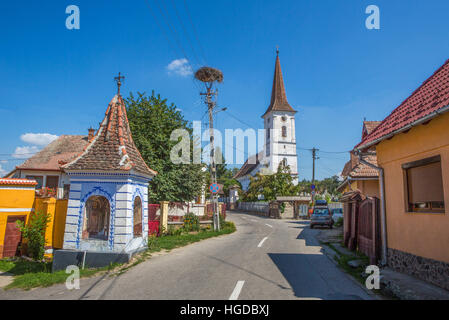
[[268, 150], [284, 118], [424, 185], [268, 134], [39, 179], [96, 218], [137, 214], [52, 182], [284, 131]]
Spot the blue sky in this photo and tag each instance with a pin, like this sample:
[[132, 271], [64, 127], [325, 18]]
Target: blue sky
[[336, 72]]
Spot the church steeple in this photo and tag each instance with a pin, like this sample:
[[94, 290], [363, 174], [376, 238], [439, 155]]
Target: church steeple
[[278, 96]]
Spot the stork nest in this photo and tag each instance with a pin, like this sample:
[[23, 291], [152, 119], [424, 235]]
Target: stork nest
[[208, 74]]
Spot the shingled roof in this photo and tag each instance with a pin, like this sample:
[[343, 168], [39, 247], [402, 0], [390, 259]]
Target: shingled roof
[[112, 148], [249, 165], [62, 150], [278, 96], [425, 103]]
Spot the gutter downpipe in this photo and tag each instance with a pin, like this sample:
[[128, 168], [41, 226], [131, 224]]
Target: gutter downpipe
[[383, 216]]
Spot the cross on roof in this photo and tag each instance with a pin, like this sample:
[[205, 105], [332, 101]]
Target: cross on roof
[[119, 82]]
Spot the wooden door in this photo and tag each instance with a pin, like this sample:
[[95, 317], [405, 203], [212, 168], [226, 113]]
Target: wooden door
[[13, 236]]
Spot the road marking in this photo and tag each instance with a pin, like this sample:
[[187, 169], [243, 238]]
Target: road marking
[[261, 242], [269, 225], [238, 287]]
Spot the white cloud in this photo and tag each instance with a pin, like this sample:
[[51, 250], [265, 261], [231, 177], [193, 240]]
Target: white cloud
[[180, 67], [25, 152], [39, 139]]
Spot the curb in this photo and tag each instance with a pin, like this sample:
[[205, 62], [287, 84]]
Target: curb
[[369, 292]]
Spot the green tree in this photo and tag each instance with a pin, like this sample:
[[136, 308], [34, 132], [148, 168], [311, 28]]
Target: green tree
[[272, 186], [152, 121]]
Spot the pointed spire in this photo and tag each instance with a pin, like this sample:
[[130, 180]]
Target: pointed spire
[[278, 96]]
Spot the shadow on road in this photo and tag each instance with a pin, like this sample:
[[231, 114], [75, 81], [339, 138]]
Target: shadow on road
[[307, 282]]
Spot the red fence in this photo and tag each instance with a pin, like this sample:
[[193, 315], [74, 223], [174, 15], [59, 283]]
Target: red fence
[[153, 219]]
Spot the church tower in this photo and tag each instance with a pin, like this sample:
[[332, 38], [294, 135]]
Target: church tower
[[279, 124]]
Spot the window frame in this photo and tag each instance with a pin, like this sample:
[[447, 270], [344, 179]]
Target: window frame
[[416, 164]]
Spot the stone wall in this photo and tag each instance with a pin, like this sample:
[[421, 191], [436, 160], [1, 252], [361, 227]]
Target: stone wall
[[433, 271]]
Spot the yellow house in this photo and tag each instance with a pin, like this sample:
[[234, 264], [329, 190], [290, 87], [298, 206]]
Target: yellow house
[[16, 204], [358, 176], [17, 201], [412, 146]]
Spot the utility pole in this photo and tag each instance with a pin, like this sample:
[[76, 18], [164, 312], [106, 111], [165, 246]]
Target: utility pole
[[209, 76], [314, 157], [213, 174]]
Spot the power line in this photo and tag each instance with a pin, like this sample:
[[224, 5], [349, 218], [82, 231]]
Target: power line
[[194, 31], [185, 32]]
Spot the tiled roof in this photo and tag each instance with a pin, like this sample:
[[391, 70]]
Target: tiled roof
[[21, 182], [425, 101], [364, 171], [355, 169], [112, 148], [278, 96], [347, 169], [248, 167], [64, 149], [371, 125]]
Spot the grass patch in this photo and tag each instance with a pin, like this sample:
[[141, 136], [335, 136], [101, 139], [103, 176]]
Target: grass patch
[[31, 274], [179, 240]]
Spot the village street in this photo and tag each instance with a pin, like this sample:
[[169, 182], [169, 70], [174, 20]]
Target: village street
[[265, 259]]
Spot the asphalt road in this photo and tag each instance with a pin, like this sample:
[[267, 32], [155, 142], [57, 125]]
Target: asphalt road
[[264, 260]]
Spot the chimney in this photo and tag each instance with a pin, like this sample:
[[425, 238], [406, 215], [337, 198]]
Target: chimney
[[91, 134]]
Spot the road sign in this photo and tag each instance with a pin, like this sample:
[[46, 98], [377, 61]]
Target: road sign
[[312, 187], [214, 188]]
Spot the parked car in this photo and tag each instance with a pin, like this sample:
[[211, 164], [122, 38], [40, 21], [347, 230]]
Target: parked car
[[337, 213], [320, 203], [321, 216]]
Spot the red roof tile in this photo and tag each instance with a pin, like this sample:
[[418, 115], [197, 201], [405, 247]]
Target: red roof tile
[[249, 165], [112, 148], [430, 97], [64, 149], [10, 181]]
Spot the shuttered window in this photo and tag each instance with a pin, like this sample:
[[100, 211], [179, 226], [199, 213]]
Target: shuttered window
[[424, 185], [52, 182]]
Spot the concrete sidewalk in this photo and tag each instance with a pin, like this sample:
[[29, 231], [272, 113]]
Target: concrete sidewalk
[[393, 283], [407, 287]]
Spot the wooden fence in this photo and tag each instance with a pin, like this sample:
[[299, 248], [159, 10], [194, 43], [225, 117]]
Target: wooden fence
[[362, 225]]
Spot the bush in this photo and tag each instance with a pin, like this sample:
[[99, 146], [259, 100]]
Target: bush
[[173, 231], [339, 222], [191, 222], [34, 233]]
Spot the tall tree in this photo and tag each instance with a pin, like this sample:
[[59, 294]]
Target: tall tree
[[152, 121], [272, 186]]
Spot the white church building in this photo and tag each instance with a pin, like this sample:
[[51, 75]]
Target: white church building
[[280, 139]]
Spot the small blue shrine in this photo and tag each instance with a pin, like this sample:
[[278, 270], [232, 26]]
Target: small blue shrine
[[107, 215]]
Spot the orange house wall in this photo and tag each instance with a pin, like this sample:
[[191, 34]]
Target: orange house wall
[[369, 188], [421, 234]]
